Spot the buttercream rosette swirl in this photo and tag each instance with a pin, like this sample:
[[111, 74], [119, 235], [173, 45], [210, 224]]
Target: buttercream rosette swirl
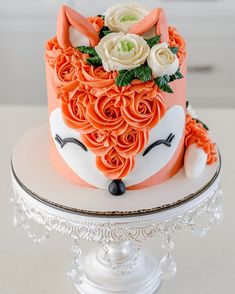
[[75, 113], [114, 166], [195, 133], [97, 22], [145, 109], [175, 40]]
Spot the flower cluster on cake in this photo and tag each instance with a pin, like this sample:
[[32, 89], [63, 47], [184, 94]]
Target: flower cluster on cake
[[116, 93]]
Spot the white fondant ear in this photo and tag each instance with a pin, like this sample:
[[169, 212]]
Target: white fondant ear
[[194, 161], [77, 39]]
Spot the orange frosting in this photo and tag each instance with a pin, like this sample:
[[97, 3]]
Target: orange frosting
[[175, 40], [103, 114], [145, 108], [97, 22], [131, 142], [53, 50], [74, 114], [128, 144], [99, 141], [197, 134], [114, 166], [94, 77]]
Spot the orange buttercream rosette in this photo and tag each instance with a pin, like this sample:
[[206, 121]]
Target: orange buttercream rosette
[[114, 121], [196, 134], [97, 22], [175, 40], [114, 166]]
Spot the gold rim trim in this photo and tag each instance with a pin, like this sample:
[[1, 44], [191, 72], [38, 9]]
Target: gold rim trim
[[119, 213]]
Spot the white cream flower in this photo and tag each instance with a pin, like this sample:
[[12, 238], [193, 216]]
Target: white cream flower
[[122, 51], [162, 61], [121, 17]]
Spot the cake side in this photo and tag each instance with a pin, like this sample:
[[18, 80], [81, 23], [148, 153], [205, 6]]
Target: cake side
[[117, 98]]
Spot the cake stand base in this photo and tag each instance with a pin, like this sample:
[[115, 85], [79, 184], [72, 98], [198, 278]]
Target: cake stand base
[[129, 272], [117, 226]]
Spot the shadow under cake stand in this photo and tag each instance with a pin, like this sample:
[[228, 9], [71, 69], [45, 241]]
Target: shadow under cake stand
[[119, 263]]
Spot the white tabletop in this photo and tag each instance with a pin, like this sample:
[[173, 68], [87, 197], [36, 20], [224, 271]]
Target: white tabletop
[[25, 268]]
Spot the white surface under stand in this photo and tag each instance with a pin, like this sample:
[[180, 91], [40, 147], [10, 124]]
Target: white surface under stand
[[120, 264]]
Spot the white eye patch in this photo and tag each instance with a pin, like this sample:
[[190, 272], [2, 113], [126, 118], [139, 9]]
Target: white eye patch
[[146, 166]]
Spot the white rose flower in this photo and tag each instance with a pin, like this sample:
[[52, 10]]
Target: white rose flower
[[162, 61], [119, 51], [121, 17]]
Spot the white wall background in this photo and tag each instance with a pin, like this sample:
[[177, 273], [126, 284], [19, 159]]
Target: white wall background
[[207, 25]]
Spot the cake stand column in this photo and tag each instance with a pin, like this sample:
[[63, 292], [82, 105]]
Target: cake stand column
[[123, 267]]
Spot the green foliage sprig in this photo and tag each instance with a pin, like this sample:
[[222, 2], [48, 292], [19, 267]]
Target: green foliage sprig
[[153, 41], [163, 82], [125, 77], [94, 58]]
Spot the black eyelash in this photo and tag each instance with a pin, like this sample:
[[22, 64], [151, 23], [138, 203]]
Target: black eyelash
[[62, 142], [166, 142]]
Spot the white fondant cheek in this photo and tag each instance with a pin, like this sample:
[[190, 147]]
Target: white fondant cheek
[[77, 39], [83, 163], [148, 165], [194, 161]]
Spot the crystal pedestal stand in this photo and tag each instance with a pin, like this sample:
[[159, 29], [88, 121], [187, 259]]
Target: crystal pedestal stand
[[117, 226], [119, 263]]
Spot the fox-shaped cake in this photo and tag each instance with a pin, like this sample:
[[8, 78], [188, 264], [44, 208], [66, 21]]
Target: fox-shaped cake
[[117, 100]]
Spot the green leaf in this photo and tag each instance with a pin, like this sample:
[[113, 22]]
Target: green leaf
[[153, 41], [104, 31], [176, 76], [174, 50], [143, 73], [162, 83], [203, 124], [87, 50], [95, 60], [124, 78]]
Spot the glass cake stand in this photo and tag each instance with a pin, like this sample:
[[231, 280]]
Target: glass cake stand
[[118, 226]]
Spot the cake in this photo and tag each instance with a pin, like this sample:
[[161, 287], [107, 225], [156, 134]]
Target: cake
[[118, 114]]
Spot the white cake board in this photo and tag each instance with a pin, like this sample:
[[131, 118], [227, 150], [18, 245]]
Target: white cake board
[[32, 168], [117, 223]]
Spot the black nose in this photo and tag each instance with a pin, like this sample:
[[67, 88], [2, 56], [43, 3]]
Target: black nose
[[117, 187]]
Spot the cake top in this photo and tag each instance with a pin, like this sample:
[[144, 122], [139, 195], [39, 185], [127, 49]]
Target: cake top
[[129, 41]]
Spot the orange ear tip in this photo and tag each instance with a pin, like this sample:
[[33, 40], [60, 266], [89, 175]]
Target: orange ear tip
[[63, 7]]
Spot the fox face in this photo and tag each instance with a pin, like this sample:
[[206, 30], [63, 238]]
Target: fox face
[[161, 147]]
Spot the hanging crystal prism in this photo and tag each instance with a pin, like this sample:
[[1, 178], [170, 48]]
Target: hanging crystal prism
[[167, 264], [75, 271]]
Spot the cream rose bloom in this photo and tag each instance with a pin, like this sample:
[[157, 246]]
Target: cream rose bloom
[[122, 51], [162, 61], [121, 17]]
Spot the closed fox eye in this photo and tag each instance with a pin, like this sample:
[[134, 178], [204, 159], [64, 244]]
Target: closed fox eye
[[64, 141], [166, 142]]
